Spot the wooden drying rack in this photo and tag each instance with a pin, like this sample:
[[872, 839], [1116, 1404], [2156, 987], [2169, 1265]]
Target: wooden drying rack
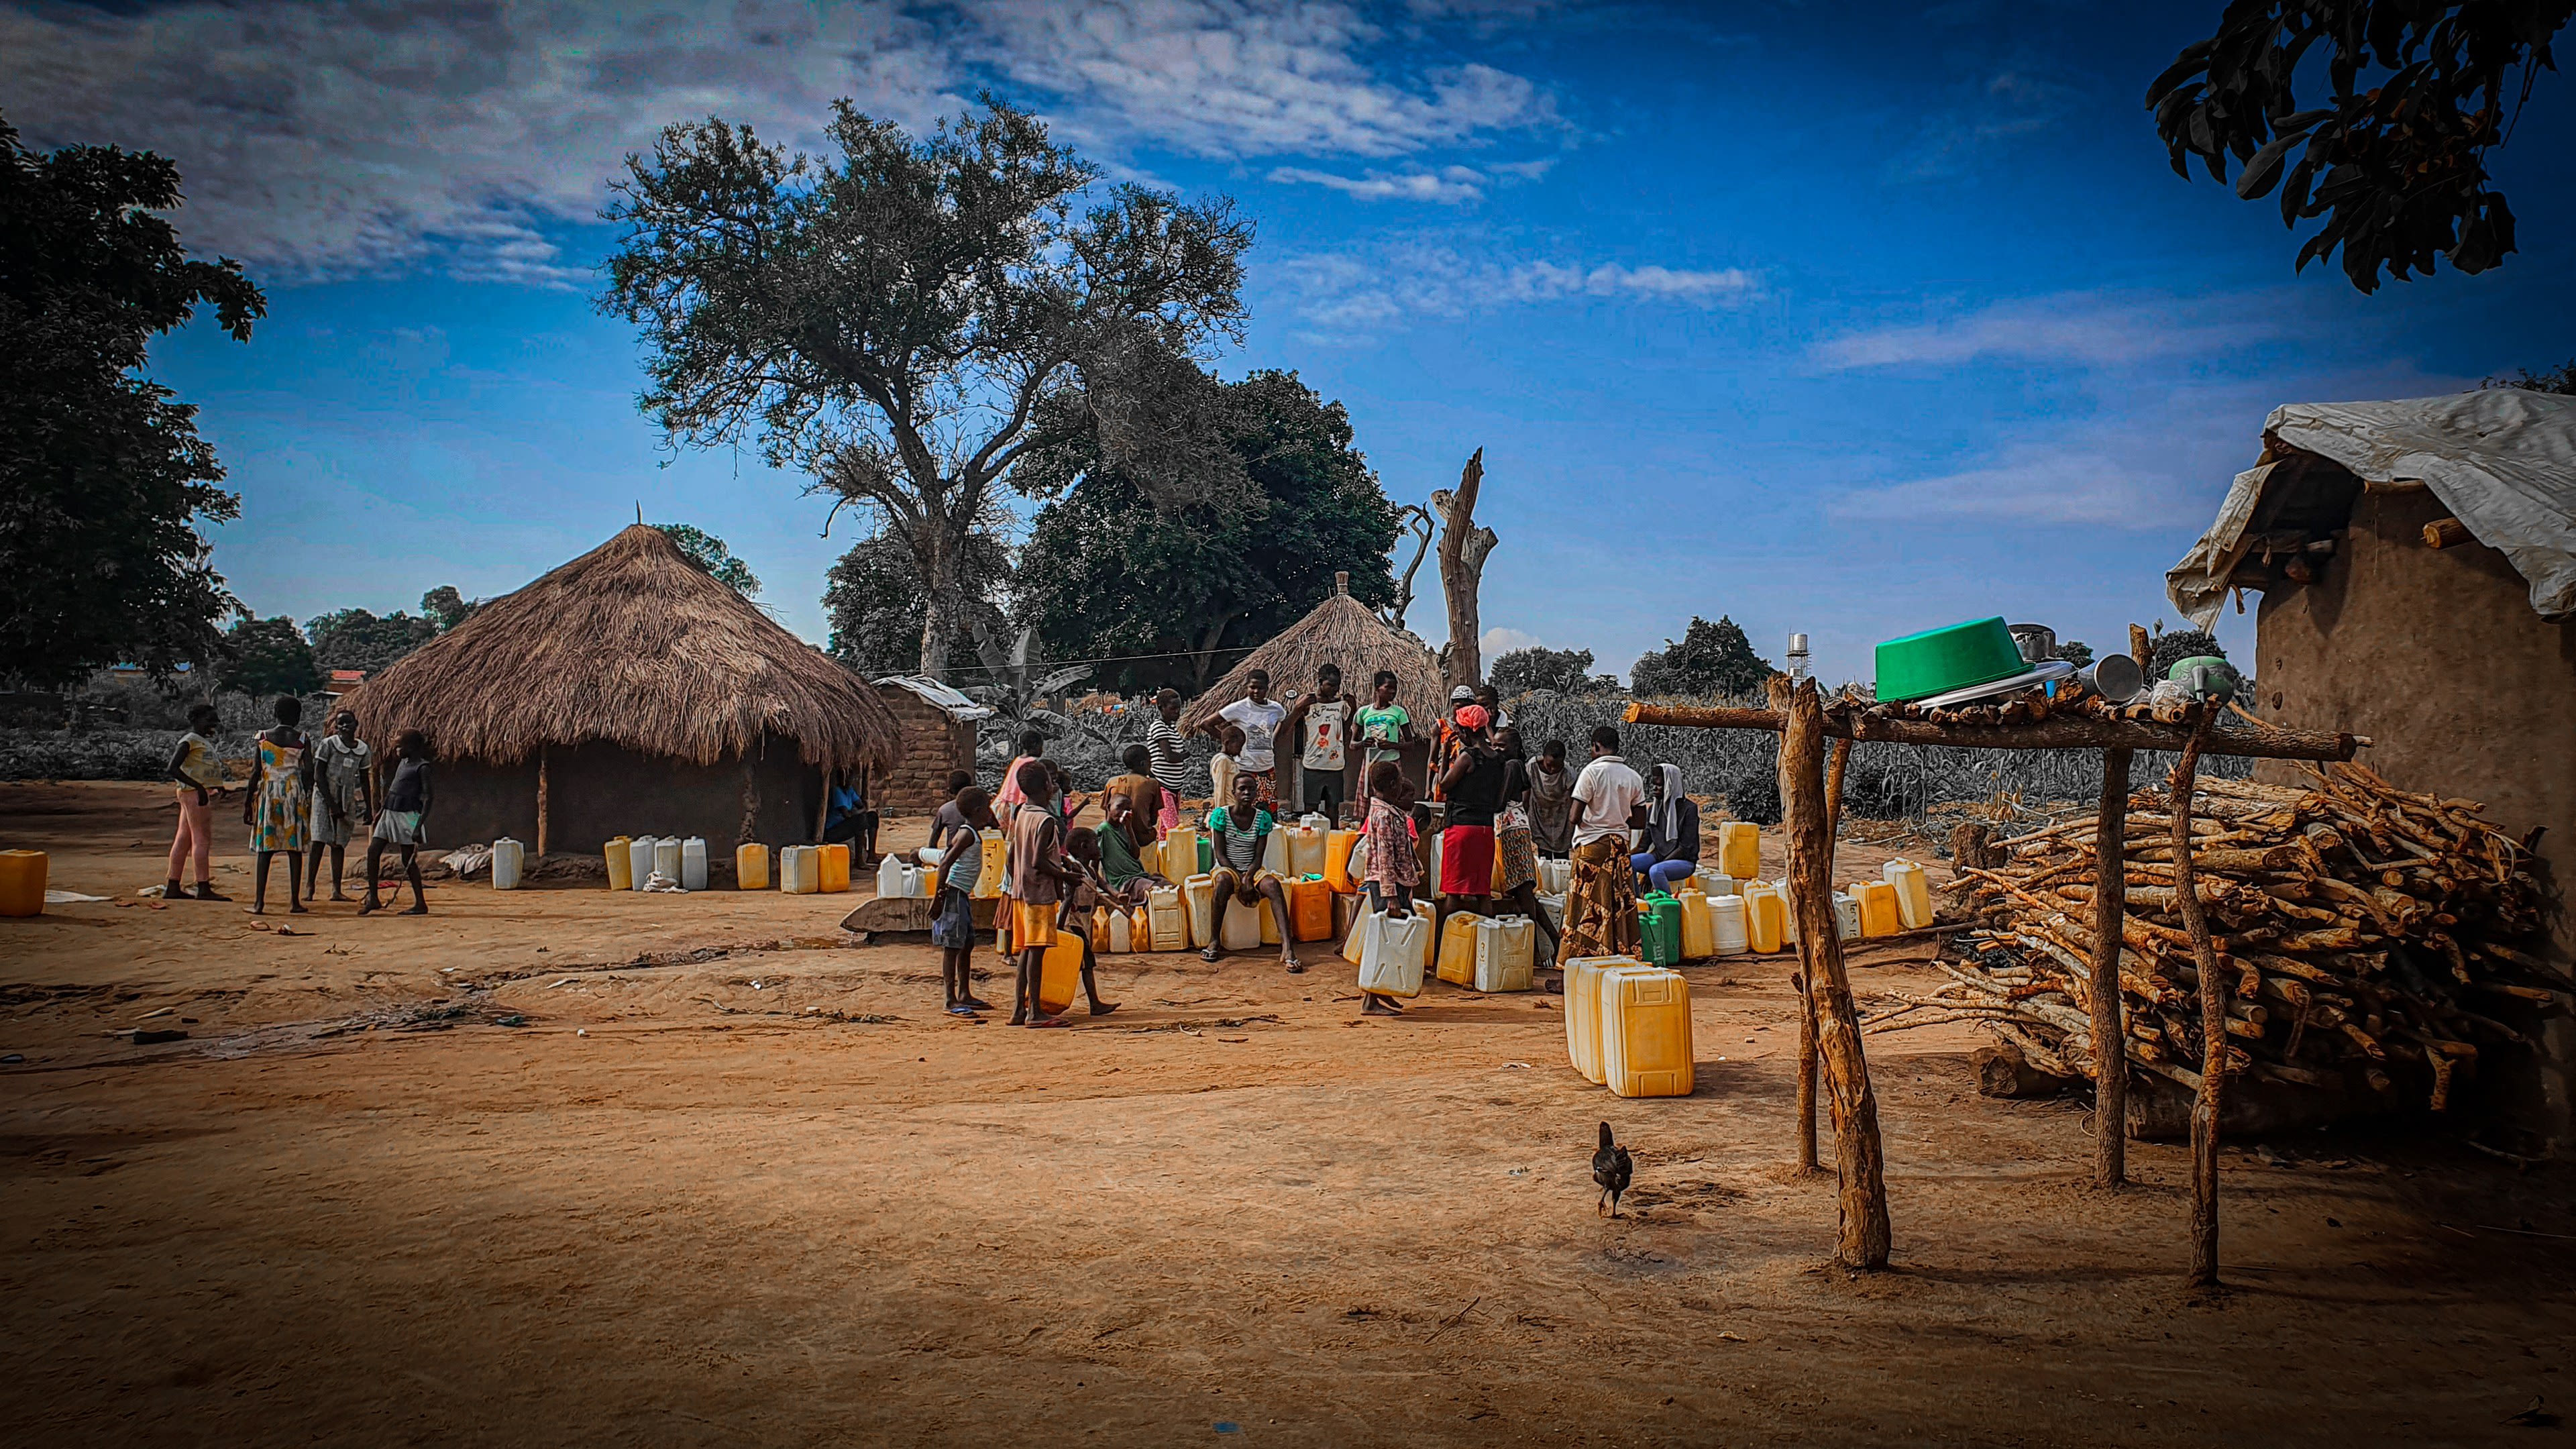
[[1829, 1024]]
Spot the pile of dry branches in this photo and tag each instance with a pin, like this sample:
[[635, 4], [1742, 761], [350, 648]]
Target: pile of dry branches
[[2364, 932]]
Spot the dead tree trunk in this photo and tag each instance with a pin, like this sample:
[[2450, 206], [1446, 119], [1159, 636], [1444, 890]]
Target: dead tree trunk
[[1859, 1157], [2213, 1016], [2110, 1033], [1463, 548]]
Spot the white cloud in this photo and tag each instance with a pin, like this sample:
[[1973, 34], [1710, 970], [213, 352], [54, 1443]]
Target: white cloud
[[2035, 486], [1345, 294], [2094, 329], [1450, 185], [366, 134], [1501, 641]]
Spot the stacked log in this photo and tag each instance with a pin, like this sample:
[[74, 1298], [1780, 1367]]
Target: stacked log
[[2366, 939]]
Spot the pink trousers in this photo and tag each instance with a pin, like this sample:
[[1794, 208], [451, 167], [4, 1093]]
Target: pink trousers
[[195, 836]]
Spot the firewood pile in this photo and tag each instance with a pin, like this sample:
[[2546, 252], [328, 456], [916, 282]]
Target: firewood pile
[[2367, 934]]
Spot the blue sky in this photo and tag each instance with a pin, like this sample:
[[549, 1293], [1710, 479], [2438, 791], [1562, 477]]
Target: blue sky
[[1831, 319]]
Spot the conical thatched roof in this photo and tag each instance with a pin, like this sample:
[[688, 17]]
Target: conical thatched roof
[[633, 645], [1341, 631]]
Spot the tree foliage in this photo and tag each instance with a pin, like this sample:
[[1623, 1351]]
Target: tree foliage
[[876, 603], [102, 473], [1567, 671], [2075, 652], [2394, 163], [709, 552], [1107, 574], [357, 639], [448, 607], [267, 657], [906, 319], [2168, 648], [1710, 659], [2560, 379]]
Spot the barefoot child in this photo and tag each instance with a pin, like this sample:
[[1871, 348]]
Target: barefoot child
[[400, 823], [1083, 848], [1393, 869], [1039, 875], [952, 914]]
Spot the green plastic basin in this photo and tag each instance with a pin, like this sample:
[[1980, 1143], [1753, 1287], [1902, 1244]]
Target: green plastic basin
[[1953, 657]]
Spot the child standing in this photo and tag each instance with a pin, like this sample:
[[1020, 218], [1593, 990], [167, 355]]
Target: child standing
[[402, 822], [1039, 875], [343, 798], [278, 806], [1225, 764], [1393, 870], [198, 771], [1082, 847], [952, 915]]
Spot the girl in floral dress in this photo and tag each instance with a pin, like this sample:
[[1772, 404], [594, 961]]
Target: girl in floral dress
[[278, 806]]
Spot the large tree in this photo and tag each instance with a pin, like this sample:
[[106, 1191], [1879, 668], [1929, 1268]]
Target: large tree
[[897, 320], [1567, 671], [709, 552], [1108, 576], [1710, 659], [267, 656], [2395, 160], [875, 601], [102, 474], [357, 639]]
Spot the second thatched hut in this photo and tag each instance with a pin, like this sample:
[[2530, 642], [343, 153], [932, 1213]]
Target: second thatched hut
[[1341, 630], [627, 692]]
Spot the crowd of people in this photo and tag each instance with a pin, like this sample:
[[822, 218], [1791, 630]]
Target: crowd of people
[[1496, 808]]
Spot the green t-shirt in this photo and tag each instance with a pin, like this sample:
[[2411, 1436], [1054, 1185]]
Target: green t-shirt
[[1380, 728]]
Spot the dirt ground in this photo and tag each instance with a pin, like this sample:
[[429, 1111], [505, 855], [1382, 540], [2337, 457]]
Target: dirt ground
[[773, 1196]]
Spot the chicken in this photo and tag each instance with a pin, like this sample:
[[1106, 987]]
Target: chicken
[[1612, 1167]]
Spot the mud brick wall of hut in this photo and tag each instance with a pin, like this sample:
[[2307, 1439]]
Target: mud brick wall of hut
[[934, 743]]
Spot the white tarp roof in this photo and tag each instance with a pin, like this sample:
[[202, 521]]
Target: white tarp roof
[[2502, 460], [957, 705]]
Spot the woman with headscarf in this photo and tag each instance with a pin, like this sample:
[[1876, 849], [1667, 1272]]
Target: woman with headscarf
[[1672, 834]]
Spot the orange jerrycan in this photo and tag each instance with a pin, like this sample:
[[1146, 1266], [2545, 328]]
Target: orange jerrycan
[[1310, 909], [1060, 973]]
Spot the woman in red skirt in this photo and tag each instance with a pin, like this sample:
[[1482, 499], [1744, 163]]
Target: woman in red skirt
[[1473, 787]]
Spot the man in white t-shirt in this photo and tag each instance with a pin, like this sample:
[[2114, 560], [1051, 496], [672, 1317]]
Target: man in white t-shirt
[[1258, 716], [1601, 901]]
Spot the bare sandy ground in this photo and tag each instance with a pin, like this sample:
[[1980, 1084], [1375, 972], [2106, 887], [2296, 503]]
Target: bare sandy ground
[[773, 1196]]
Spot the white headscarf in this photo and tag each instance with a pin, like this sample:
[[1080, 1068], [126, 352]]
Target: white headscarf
[[1668, 788]]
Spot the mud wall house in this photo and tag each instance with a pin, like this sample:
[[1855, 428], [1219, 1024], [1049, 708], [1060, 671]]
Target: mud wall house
[[935, 736], [627, 692], [2416, 566]]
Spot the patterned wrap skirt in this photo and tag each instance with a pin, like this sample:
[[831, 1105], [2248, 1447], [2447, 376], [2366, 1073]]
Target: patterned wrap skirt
[[1600, 903]]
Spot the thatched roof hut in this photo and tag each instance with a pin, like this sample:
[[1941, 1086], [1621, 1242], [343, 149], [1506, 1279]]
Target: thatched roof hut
[[628, 692], [1340, 631]]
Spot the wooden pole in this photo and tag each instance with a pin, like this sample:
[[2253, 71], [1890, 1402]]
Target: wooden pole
[[1778, 692], [2110, 1034], [541, 800], [2213, 1019], [2054, 733], [1806, 999], [1858, 1155], [2140, 649]]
